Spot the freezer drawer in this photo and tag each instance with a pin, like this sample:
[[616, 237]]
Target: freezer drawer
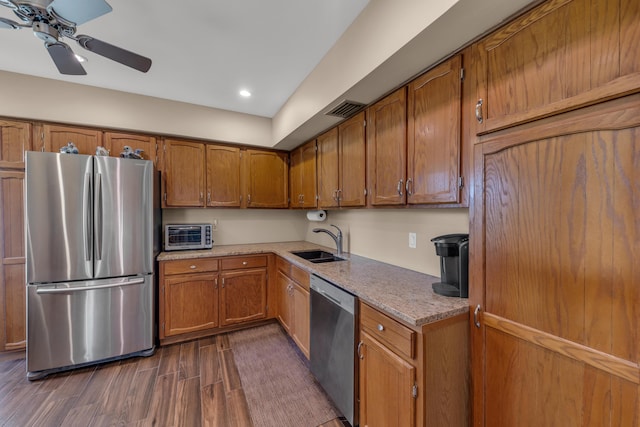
[[83, 322]]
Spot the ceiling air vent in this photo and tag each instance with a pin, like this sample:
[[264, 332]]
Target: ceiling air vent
[[345, 109]]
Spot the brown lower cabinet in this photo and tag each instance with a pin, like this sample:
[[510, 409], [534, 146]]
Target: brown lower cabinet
[[293, 303], [413, 376], [198, 296]]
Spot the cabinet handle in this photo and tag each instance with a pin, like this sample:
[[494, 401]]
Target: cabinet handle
[[479, 111], [408, 186], [400, 182], [201, 196], [244, 263], [360, 356], [335, 195], [476, 312], [248, 198], [339, 195], [380, 327], [216, 283], [223, 282], [209, 197], [192, 267]]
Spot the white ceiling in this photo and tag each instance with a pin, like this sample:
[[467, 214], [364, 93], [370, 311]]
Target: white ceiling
[[203, 51]]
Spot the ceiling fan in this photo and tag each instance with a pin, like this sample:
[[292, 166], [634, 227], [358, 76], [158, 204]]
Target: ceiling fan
[[52, 20]]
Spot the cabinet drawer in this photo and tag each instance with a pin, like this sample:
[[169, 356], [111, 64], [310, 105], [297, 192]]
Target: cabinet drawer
[[190, 266], [244, 262], [388, 331], [300, 276], [284, 266]]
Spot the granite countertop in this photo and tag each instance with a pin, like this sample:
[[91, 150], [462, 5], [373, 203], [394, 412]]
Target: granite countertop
[[402, 293]]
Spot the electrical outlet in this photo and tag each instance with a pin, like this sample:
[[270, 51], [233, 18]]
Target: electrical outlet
[[214, 225], [412, 240]]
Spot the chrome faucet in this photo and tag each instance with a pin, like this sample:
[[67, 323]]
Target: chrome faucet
[[336, 238]]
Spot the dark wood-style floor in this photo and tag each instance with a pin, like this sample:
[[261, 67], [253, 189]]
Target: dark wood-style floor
[[190, 384]]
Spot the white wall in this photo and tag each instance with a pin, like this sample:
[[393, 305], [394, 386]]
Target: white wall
[[383, 234]]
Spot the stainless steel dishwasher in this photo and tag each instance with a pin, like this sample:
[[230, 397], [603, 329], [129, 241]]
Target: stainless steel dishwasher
[[333, 344]]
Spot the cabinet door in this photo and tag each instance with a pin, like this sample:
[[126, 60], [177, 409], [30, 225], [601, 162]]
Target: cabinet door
[[352, 160], [12, 268], [303, 181], [243, 296], [267, 178], [560, 55], [284, 300], [190, 303], [15, 139], [184, 173], [223, 176], [115, 143], [557, 276], [387, 149], [433, 165], [386, 382], [87, 140], [328, 182], [301, 316]]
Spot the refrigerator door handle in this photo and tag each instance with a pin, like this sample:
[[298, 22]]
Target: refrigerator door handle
[[136, 281], [98, 216], [87, 217]]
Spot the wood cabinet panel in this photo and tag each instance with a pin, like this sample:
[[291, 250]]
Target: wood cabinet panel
[[243, 296], [302, 316], [184, 176], [560, 55], [223, 176], [328, 180], [386, 381], [294, 308], [283, 285], [244, 262], [15, 139], [387, 149], [433, 159], [352, 161], [86, 140], [12, 255], [116, 141], [186, 266], [303, 176], [190, 303], [399, 338], [267, 177], [559, 202]]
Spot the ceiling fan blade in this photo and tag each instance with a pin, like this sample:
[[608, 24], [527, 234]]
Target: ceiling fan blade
[[8, 23], [80, 11], [65, 59], [114, 53]]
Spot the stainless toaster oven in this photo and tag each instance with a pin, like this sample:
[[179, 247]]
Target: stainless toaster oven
[[179, 237]]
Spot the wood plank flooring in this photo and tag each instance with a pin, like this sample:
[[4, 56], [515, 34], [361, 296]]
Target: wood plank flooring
[[189, 384]]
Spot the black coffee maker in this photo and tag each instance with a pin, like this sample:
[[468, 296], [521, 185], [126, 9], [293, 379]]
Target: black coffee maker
[[453, 250]]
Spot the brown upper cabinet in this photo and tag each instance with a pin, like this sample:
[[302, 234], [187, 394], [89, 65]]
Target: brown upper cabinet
[[387, 150], [561, 55], [15, 139], [116, 141], [341, 165], [266, 174], [85, 139], [223, 176], [433, 135], [303, 178], [184, 171]]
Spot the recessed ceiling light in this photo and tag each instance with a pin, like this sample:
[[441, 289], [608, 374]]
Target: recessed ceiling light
[[80, 58], [245, 93]]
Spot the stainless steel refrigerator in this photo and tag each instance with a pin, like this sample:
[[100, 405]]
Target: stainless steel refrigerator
[[90, 261]]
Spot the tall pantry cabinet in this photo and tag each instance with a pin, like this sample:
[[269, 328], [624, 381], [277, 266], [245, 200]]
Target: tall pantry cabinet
[[15, 139], [554, 226]]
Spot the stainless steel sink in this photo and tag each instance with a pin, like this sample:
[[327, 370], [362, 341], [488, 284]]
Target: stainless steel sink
[[317, 256]]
